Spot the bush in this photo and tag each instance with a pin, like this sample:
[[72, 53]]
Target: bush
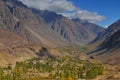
[[91, 74], [100, 70]]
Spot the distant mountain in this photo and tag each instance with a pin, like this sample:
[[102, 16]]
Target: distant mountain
[[75, 31], [109, 49]]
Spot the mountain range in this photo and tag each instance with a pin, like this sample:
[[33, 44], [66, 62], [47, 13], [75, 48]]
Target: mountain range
[[45, 27], [25, 31]]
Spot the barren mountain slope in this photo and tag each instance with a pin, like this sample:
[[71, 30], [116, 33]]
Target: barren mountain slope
[[18, 18], [109, 50], [108, 32], [76, 31]]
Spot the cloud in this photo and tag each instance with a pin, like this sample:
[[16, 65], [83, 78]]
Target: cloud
[[64, 7]]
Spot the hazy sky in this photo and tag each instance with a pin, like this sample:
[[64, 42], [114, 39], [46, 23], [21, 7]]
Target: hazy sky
[[102, 12]]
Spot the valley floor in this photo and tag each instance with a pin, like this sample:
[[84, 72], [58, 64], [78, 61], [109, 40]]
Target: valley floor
[[73, 65]]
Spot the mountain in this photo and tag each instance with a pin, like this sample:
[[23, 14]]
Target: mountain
[[109, 49], [75, 31], [111, 42], [45, 27], [16, 17], [111, 45], [108, 32], [23, 31]]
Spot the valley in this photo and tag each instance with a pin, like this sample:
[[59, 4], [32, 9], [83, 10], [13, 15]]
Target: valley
[[63, 67], [65, 63], [42, 44]]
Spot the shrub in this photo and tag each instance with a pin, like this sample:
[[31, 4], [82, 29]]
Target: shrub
[[100, 70], [91, 74]]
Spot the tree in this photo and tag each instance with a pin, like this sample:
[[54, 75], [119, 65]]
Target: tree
[[92, 73], [101, 70], [1, 73]]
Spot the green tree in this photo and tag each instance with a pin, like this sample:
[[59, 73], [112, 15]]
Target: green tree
[[92, 73], [101, 70], [1, 73]]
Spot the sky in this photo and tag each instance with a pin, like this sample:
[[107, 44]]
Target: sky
[[108, 8], [101, 12]]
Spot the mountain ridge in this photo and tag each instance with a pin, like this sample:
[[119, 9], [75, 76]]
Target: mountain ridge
[[71, 30], [25, 27], [108, 32], [108, 50], [21, 17]]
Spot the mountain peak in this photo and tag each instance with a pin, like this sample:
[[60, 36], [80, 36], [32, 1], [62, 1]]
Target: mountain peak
[[48, 16], [118, 21], [79, 20], [76, 20], [16, 2]]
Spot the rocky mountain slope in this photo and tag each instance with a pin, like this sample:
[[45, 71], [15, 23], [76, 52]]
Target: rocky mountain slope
[[112, 41], [22, 33], [18, 18], [109, 50], [45, 27], [112, 47], [22, 28], [76, 31], [108, 32]]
